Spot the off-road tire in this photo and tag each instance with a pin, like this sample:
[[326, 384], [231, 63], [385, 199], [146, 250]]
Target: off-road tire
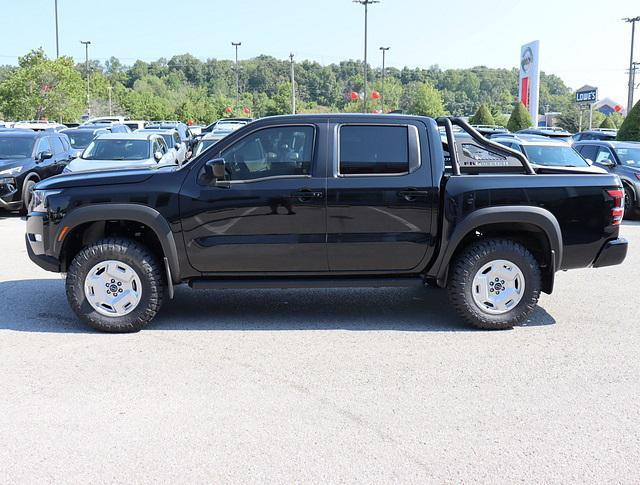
[[144, 264], [467, 264]]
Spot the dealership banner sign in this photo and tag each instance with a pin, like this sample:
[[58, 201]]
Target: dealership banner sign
[[529, 82]]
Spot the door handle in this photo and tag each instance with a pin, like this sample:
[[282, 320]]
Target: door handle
[[412, 194], [307, 194]]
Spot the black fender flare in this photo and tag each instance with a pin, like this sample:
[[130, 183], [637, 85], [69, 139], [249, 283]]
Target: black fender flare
[[536, 216], [124, 212]]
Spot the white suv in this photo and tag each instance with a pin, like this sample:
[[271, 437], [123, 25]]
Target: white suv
[[123, 150]]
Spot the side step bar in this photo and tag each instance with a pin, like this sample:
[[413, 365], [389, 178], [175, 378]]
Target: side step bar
[[281, 283]]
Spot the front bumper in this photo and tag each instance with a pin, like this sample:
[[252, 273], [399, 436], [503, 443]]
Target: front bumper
[[9, 194], [612, 253], [35, 239]]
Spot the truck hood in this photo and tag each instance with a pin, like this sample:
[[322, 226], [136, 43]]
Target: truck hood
[[566, 170], [86, 179]]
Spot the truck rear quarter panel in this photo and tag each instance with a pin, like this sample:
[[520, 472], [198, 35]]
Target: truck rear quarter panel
[[578, 202]]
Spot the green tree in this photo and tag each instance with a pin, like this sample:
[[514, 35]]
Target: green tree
[[519, 119], [630, 128], [482, 117], [43, 88], [607, 123], [422, 99]]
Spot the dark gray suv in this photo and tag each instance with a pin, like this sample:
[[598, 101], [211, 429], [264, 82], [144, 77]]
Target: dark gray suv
[[621, 158]]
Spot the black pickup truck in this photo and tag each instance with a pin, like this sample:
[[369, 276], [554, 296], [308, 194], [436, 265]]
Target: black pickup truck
[[327, 201]]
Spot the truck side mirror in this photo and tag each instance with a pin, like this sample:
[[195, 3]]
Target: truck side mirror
[[157, 156], [215, 170], [607, 163]]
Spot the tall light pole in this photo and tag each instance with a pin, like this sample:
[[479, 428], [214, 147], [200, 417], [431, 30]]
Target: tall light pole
[[57, 43], [110, 110], [366, 4], [236, 45], [384, 51], [86, 68], [293, 86], [632, 21]]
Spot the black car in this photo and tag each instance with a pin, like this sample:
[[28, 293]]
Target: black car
[[81, 137], [595, 135], [26, 157], [621, 158]]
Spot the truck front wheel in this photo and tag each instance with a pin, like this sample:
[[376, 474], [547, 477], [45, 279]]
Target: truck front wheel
[[115, 285], [495, 284]]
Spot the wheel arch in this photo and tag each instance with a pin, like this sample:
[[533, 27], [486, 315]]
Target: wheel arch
[[534, 227], [95, 217], [626, 183]]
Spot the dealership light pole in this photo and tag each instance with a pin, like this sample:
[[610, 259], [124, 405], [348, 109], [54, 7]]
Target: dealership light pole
[[632, 21], [110, 110], [86, 68], [236, 45], [384, 51], [366, 4], [293, 86], [57, 43]]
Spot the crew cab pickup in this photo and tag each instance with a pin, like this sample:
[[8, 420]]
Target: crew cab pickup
[[327, 201]]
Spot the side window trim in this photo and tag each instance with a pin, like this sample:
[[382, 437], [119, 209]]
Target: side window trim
[[413, 142]]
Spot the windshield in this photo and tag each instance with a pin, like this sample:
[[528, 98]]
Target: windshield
[[16, 147], [554, 156], [79, 139], [117, 150], [629, 156], [203, 145]]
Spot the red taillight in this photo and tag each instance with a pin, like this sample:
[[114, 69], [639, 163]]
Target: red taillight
[[617, 211]]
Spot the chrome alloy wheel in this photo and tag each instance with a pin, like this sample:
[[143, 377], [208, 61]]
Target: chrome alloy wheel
[[113, 288], [498, 286]]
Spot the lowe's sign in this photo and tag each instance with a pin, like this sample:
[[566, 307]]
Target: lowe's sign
[[587, 94]]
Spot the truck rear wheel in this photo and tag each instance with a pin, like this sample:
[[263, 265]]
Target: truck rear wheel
[[495, 284], [115, 285]]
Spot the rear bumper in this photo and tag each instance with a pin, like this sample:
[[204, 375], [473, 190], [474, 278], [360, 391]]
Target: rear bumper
[[612, 253]]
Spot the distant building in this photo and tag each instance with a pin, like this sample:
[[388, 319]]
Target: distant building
[[607, 106]]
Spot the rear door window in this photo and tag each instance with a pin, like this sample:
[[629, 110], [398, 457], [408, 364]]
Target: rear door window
[[373, 150]]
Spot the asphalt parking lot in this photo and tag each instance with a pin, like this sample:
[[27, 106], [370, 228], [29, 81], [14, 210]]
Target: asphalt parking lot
[[320, 385]]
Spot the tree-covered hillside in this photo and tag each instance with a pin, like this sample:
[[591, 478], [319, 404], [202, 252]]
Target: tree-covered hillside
[[185, 87]]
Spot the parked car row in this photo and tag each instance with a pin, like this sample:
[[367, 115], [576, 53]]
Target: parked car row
[[32, 151]]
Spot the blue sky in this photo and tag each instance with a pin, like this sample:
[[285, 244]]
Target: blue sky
[[584, 42]]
